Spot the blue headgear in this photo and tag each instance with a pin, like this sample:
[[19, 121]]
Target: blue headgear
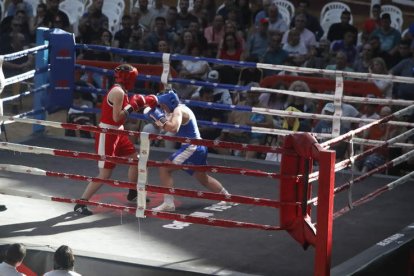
[[169, 98]]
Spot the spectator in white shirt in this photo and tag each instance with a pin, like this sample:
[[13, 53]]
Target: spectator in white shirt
[[14, 257]]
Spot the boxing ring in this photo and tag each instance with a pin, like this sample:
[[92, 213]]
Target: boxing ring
[[195, 239]]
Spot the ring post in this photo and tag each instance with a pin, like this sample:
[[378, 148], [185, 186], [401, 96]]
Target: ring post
[[42, 58]]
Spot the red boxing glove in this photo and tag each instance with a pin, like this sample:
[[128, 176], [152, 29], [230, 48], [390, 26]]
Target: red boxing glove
[[151, 101], [137, 102]]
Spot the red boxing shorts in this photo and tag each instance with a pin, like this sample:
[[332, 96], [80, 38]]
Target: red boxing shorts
[[112, 145]]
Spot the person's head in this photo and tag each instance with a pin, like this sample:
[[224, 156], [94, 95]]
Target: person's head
[[207, 94], [328, 109], [300, 21], [367, 51], [273, 12], [163, 46], [184, 5], [64, 258], [385, 111], [168, 100], [378, 66], [126, 21], [345, 17], [341, 60], [376, 10], [53, 5], [230, 41], [218, 22], [41, 10], [275, 41], [375, 43], [385, 21], [404, 48], [294, 37], [15, 254], [263, 25], [349, 37], [172, 14], [160, 24], [302, 7], [126, 75], [188, 38]]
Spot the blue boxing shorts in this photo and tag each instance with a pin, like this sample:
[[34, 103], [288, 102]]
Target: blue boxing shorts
[[190, 155]]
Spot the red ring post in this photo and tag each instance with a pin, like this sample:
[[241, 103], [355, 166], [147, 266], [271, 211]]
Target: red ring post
[[297, 220]]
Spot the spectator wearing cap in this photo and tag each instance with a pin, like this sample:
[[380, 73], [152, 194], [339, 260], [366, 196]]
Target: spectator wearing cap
[[337, 30], [389, 37], [15, 255], [347, 111], [221, 95], [405, 69], [257, 41]]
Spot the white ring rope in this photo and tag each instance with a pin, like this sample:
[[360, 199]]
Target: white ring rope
[[345, 74]]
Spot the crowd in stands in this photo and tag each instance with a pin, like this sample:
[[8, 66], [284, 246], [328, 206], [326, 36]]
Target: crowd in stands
[[240, 30]]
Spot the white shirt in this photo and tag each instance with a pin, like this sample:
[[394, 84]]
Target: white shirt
[[9, 270], [306, 37], [62, 273]]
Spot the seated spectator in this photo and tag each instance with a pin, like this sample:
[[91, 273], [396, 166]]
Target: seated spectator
[[194, 69], [378, 67], [274, 53], [376, 49], [389, 37], [306, 36], [320, 57], [16, 5], [275, 101], [312, 23], [405, 69], [230, 48], [208, 114], [347, 45], [347, 111], [341, 64], [15, 255], [295, 48], [325, 126], [402, 53], [363, 59], [250, 74], [249, 119], [257, 41], [160, 33], [337, 30], [378, 132], [214, 34], [64, 262], [276, 21], [374, 21]]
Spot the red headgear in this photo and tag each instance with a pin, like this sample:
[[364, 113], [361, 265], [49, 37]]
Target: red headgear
[[126, 75]]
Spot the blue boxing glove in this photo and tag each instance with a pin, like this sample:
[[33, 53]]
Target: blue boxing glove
[[155, 115]]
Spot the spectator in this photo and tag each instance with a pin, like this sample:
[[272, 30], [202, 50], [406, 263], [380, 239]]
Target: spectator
[[230, 48], [91, 25], [214, 34], [312, 23], [15, 255], [376, 49], [347, 45], [121, 37], [184, 17], [146, 16], [160, 33], [276, 21], [363, 59], [325, 126], [39, 20], [64, 263], [341, 64], [347, 111], [186, 40], [295, 48], [405, 69], [378, 132], [159, 9], [15, 5], [306, 36], [374, 21], [200, 13], [385, 86], [263, 12], [56, 16], [210, 8], [275, 101], [257, 41], [274, 53], [389, 37], [402, 53], [320, 57], [194, 68], [171, 19], [337, 30]]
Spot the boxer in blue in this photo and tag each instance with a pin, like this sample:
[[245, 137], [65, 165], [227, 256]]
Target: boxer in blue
[[179, 119]]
